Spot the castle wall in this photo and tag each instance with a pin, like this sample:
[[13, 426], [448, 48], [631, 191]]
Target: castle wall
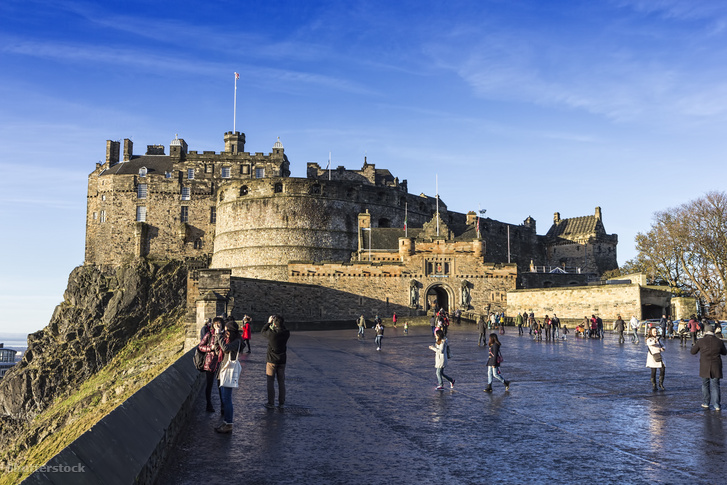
[[607, 301], [593, 255], [263, 224], [524, 244]]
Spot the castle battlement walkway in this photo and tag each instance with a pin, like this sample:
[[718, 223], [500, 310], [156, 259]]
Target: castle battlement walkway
[[580, 411]]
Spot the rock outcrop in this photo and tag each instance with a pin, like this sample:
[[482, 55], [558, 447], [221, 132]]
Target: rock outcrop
[[103, 307]]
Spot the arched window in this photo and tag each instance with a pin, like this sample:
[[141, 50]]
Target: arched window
[[278, 188], [243, 190]]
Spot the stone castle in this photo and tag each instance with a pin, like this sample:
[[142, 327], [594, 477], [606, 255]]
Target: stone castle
[[326, 247]]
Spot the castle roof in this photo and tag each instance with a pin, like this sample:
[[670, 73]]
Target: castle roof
[[155, 164], [576, 226]]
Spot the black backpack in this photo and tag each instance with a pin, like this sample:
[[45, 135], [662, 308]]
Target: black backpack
[[199, 359]]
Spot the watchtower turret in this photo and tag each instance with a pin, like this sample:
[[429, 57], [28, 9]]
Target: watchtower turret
[[234, 142]]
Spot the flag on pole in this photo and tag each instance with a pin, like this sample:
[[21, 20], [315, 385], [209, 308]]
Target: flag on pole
[[237, 76], [406, 210]]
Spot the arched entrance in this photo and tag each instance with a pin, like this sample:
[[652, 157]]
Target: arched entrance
[[438, 296]]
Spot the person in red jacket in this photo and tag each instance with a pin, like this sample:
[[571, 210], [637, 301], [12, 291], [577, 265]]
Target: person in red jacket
[[211, 359], [246, 321]]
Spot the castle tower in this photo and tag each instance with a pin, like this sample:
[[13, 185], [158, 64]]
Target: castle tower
[[235, 142], [128, 149], [178, 149]]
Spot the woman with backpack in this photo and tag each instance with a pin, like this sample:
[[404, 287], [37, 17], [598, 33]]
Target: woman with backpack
[[441, 355], [493, 364]]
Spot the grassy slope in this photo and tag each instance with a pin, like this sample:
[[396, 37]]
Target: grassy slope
[[144, 357]]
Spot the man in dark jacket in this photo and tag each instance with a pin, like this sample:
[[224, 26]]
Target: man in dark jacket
[[710, 367], [277, 336]]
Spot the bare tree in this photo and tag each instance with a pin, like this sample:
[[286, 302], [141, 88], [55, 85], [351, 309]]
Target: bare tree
[[686, 249]]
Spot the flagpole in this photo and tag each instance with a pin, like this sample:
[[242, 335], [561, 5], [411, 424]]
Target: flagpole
[[406, 226], [329, 165], [234, 110], [436, 184]]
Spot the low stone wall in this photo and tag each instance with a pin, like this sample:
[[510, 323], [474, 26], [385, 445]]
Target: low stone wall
[[130, 443]]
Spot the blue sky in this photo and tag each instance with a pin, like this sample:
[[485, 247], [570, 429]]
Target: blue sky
[[522, 107]]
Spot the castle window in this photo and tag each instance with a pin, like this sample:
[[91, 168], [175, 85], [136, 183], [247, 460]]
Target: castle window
[[226, 172], [197, 244], [95, 216], [259, 173], [186, 193], [103, 198], [278, 188], [167, 175], [209, 168], [141, 190], [245, 169], [315, 189], [141, 214], [184, 214], [142, 172], [213, 215], [190, 173], [243, 190], [103, 217]]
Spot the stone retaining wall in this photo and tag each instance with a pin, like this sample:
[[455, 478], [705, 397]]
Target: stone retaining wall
[[130, 443]]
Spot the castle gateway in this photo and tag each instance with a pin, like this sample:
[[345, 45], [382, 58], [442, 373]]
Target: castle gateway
[[335, 232]]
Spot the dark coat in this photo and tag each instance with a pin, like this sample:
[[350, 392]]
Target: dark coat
[[710, 360], [492, 360], [277, 343]]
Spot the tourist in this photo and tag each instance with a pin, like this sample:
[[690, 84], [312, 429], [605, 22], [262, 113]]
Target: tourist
[[555, 323], [594, 327], [634, 323], [277, 355], [458, 316], [441, 351], [246, 321], [229, 348], [654, 358], [207, 327], [693, 328], [547, 327], [619, 326], [361, 322], [493, 364], [519, 323], [207, 345], [662, 325], [537, 330], [482, 330], [406, 327], [393, 319], [379, 334], [710, 367], [565, 332], [682, 330], [433, 323], [586, 327], [502, 324], [599, 327]]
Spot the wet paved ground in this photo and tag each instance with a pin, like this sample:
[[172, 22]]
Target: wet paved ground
[[577, 411]]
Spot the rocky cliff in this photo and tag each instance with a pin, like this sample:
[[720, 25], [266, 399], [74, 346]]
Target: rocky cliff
[[102, 309]]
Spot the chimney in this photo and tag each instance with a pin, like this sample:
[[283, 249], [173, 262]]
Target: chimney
[[556, 218], [128, 149], [598, 213], [112, 152]]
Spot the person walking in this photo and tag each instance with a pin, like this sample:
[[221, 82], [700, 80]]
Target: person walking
[[228, 346], [634, 324], [482, 330], [361, 322], [277, 355], [619, 326], [710, 367], [519, 323], [441, 352], [393, 319], [493, 364], [246, 321], [548, 326], [555, 323], [662, 325], [379, 333], [586, 327], [654, 359], [433, 323]]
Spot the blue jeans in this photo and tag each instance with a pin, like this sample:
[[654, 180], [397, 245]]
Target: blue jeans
[[361, 331], [440, 374], [378, 340], [493, 371], [226, 395], [710, 392]]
